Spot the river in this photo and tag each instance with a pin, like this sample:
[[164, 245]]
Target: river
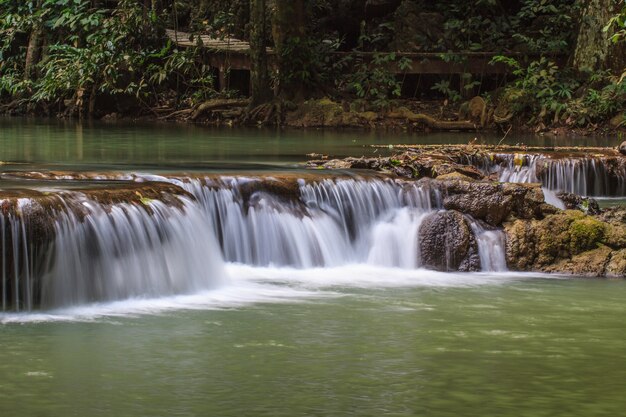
[[270, 338]]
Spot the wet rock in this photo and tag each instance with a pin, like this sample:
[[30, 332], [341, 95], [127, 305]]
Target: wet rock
[[446, 243], [567, 242], [521, 245], [481, 200], [576, 202]]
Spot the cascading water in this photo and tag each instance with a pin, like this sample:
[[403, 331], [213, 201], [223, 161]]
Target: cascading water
[[104, 253], [114, 251], [585, 176], [331, 223], [491, 248], [129, 252]]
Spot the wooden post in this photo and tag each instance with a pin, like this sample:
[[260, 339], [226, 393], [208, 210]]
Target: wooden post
[[222, 78]]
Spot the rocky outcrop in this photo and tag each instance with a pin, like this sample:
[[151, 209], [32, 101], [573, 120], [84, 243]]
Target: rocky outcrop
[[567, 242], [414, 163], [489, 201], [582, 240], [447, 243], [576, 202]]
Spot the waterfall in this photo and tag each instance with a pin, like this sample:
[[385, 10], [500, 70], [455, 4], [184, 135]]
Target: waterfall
[[129, 251], [18, 284], [491, 248], [331, 223], [585, 176], [99, 252]]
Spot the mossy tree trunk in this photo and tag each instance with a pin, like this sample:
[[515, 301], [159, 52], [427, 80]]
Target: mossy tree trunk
[[594, 50], [259, 72], [291, 41]]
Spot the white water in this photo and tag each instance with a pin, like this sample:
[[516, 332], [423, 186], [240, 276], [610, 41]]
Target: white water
[[110, 253], [582, 176], [250, 285], [127, 252], [491, 248]]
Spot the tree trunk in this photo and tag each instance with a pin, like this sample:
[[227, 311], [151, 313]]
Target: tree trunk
[[291, 44], [594, 50], [259, 77], [33, 53]]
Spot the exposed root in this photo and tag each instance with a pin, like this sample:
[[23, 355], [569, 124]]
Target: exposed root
[[265, 114], [431, 122], [217, 104], [177, 113]]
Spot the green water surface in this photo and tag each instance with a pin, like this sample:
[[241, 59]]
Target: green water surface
[[533, 347]]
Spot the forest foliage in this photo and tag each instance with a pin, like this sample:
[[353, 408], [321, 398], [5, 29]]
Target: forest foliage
[[78, 56]]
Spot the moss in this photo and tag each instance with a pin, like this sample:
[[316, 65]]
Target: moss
[[585, 234], [615, 235]]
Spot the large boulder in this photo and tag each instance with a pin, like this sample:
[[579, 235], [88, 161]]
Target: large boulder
[[494, 202], [568, 242], [447, 243]]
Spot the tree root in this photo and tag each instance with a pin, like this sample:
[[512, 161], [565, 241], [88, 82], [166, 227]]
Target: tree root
[[12, 105], [177, 113], [431, 121], [217, 104], [265, 113]]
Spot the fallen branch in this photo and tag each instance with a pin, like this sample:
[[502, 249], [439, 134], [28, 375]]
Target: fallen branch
[[218, 104], [177, 113]]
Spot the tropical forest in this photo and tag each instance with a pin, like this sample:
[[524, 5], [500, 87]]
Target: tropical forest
[[312, 208]]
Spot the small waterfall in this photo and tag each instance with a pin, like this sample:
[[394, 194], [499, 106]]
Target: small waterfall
[[395, 240], [97, 252], [129, 251], [18, 287], [491, 248], [588, 176], [333, 222]]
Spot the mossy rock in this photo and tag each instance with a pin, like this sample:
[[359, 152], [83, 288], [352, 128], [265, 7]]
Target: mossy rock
[[617, 265], [615, 235], [585, 234], [589, 263], [554, 237]]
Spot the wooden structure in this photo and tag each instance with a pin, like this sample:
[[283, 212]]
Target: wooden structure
[[233, 54], [224, 54]]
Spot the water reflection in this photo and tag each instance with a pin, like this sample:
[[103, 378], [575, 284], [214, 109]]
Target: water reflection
[[58, 142]]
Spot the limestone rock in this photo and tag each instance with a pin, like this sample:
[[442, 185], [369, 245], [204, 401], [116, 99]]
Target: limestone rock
[[576, 202], [446, 243], [617, 265], [481, 200], [590, 263]]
